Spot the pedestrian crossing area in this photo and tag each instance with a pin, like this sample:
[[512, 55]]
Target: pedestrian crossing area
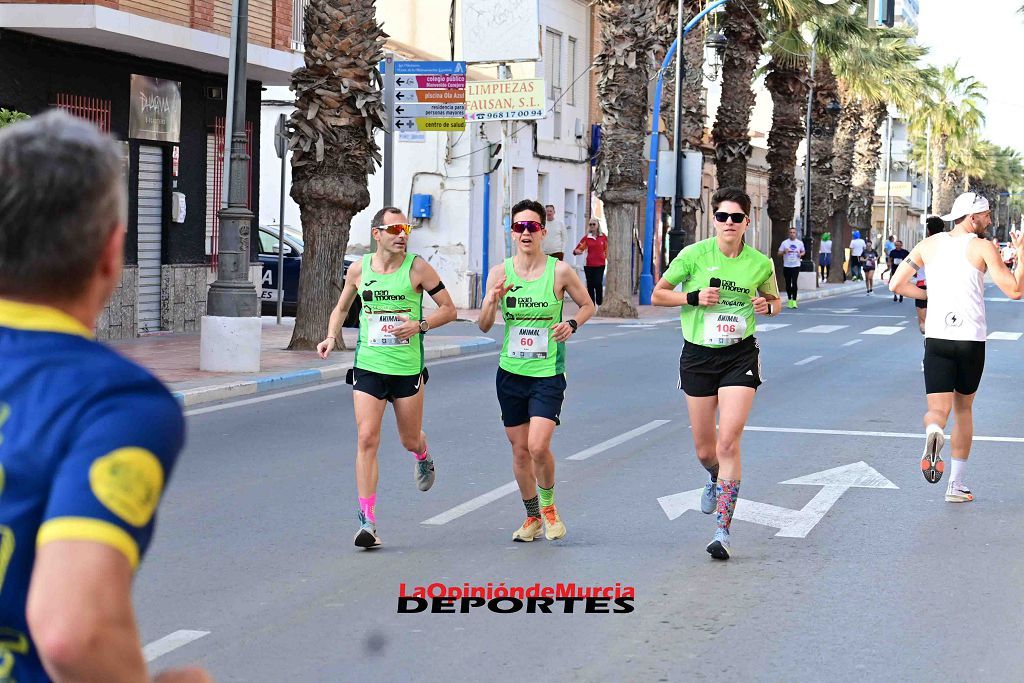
[[878, 330]]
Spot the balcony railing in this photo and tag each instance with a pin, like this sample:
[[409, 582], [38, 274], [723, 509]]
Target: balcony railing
[[298, 16]]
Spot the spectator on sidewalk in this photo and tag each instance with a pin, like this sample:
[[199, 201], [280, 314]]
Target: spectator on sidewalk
[[89, 439], [890, 244], [791, 250], [825, 256], [596, 246], [896, 257], [869, 261], [856, 251], [557, 236]]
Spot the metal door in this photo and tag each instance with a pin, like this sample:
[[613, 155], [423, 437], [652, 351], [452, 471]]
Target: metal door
[[150, 223]]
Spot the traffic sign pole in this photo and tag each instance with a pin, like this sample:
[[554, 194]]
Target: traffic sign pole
[[281, 147], [389, 128]]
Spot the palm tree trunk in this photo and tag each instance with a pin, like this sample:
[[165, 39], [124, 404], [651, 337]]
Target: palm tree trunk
[[338, 108], [823, 130], [946, 190], [788, 86], [842, 172], [624, 65], [731, 132], [866, 157]]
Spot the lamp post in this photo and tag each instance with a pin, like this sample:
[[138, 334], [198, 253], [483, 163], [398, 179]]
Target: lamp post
[[230, 332], [807, 264]]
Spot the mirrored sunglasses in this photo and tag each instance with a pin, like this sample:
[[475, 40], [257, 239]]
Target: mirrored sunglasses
[[396, 228], [527, 226]]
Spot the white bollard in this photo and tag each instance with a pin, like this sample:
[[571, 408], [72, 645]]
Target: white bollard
[[230, 344]]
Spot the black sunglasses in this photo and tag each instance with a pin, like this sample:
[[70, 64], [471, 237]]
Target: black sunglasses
[[523, 226], [723, 216]]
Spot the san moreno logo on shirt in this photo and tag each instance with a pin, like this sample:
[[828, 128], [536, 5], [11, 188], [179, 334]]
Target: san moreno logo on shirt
[[381, 295]]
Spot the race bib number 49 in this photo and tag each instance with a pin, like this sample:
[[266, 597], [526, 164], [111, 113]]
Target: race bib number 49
[[724, 329], [381, 330], [528, 342]]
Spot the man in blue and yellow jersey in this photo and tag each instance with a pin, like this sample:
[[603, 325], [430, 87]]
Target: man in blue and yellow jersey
[[389, 353], [528, 289], [87, 439]]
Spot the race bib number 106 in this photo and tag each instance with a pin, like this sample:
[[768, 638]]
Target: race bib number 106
[[724, 329]]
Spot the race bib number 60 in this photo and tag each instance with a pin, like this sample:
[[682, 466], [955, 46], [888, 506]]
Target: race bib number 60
[[528, 342], [381, 330], [724, 329]]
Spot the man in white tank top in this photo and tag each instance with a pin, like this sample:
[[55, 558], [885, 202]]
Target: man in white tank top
[[955, 328]]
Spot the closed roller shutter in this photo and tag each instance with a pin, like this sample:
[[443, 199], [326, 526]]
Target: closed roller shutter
[[151, 204]]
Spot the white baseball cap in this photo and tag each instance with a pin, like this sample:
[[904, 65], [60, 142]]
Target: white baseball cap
[[965, 205]]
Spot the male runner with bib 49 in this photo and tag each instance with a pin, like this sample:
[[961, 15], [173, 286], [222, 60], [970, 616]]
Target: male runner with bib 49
[[528, 289], [389, 353], [725, 283]]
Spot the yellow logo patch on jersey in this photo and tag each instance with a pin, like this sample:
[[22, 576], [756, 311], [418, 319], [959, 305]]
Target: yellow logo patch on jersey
[[5, 412], [128, 482]]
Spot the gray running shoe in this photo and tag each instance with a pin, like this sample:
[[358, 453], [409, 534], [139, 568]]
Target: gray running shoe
[[424, 473], [367, 535], [957, 492], [708, 499], [719, 546]]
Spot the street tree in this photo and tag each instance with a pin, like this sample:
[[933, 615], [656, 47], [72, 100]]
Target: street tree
[[338, 108], [624, 66]]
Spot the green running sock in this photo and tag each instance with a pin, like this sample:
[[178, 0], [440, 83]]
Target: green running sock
[[532, 507], [547, 496]]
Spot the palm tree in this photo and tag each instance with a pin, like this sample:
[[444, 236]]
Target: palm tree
[[731, 132], [952, 106], [694, 112], [338, 107], [624, 65]]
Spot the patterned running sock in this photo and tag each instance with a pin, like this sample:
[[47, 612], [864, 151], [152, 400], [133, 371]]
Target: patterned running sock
[[713, 471], [958, 470], [420, 456], [532, 507], [728, 491], [547, 496], [368, 507]]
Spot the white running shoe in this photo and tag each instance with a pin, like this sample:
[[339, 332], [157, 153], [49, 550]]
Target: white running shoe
[[931, 464], [957, 492]]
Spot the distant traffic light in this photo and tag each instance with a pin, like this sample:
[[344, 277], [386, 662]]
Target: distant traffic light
[[881, 13]]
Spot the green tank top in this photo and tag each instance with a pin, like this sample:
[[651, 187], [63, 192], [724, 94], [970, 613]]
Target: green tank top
[[383, 299], [530, 310]]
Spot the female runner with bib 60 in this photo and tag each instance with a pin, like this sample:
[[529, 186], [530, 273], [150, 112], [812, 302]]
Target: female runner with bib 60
[[725, 283], [528, 289]]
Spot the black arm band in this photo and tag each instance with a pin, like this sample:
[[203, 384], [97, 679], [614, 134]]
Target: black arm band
[[693, 298], [435, 290], [913, 265]]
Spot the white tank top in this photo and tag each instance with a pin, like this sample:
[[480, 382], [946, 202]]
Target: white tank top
[[956, 292]]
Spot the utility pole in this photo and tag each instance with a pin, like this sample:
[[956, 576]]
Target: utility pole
[[807, 265]]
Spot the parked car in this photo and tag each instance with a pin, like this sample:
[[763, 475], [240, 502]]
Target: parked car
[[293, 248]]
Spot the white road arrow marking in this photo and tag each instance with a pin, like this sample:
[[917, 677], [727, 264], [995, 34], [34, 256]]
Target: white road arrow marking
[[791, 523]]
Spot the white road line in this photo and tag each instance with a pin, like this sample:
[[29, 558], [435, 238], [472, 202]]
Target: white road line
[[886, 435], [616, 334], [768, 327], [823, 329], [805, 361], [852, 342], [505, 489], [158, 648], [883, 329], [855, 315], [997, 298], [471, 505], [1005, 336], [615, 441], [318, 387]]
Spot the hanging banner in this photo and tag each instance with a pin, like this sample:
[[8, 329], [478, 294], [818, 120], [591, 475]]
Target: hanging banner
[[155, 109]]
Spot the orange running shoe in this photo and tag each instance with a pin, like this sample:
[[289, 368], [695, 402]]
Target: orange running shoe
[[553, 527], [530, 530]]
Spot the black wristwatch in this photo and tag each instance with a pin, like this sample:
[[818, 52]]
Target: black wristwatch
[[573, 324], [424, 326]]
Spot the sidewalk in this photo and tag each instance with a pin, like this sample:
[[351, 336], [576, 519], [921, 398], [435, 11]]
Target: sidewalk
[[174, 358]]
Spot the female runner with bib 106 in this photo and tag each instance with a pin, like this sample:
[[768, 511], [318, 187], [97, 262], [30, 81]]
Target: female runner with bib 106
[[725, 283], [528, 289]]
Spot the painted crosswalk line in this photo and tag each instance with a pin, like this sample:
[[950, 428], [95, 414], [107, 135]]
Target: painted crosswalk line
[[884, 329], [768, 327], [1005, 336], [823, 329], [805, 361]]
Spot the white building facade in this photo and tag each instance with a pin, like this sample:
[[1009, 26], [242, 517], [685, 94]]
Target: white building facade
[[547, 160]]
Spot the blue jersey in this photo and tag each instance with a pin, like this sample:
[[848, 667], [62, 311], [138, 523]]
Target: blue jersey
[[87, 441]]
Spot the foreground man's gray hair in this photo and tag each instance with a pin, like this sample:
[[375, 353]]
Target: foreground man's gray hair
[[61, 195]]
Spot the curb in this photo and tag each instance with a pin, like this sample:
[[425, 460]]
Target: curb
[[830, 291], [292, 378]]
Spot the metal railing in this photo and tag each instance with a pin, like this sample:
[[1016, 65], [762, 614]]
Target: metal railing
[[298, 16]]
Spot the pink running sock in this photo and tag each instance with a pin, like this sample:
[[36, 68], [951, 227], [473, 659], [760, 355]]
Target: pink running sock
[[368, 507], [419, 456]]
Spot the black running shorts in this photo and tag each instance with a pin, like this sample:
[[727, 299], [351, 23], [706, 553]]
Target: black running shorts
[[921, 303], [704, 370], [522, 397], [386, 387], [953, 366]]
